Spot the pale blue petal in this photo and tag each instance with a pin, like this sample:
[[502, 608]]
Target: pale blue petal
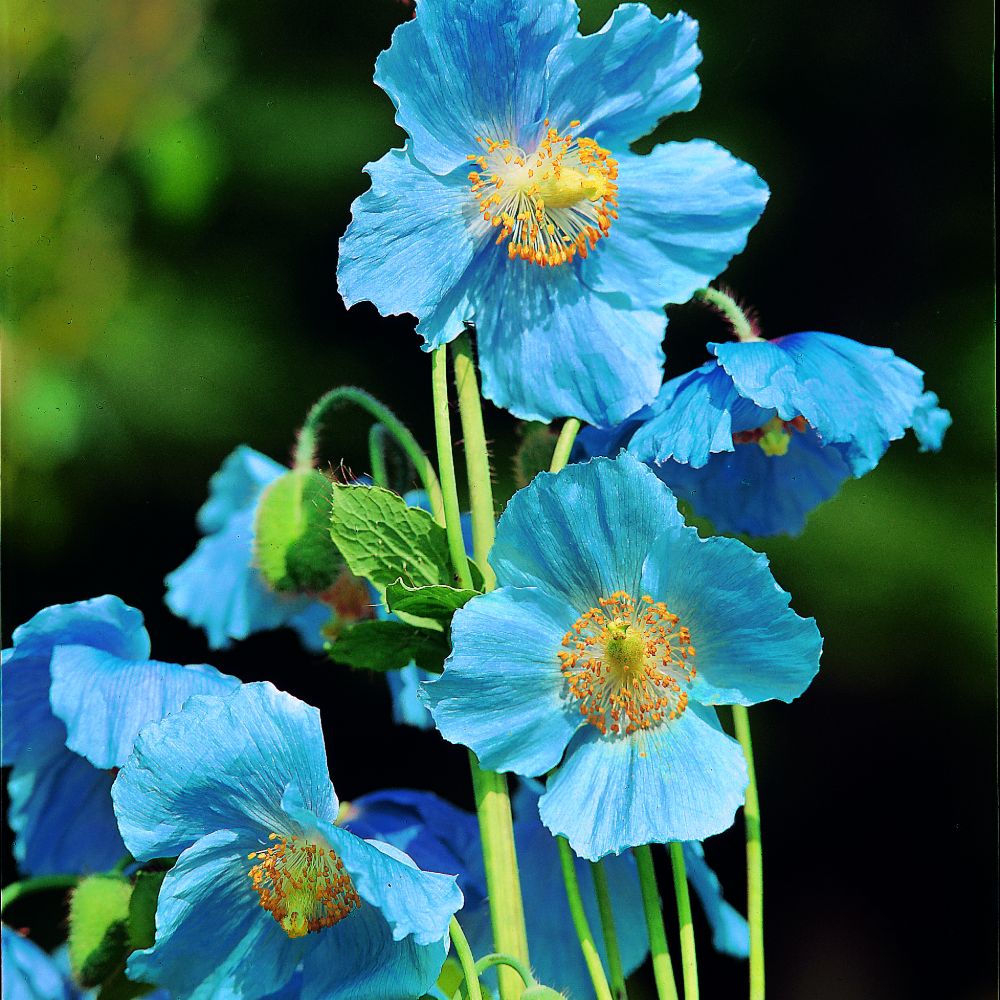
[[750, 645], [29, 973], [930, 422], [730, 933], [411, 238], [213, 939], [309, 625], [236, 486], [61, 815], [682, 780], [105, 700], [583, 533], [685, 210], [748, 492], [460, 70], [501, 693], [620, 81], [221, 763], [404, 689]]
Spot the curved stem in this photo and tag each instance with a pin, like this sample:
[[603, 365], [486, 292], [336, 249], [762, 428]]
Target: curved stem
[[755, 860], [590, 953], [603, 893], [305, 447], [477, 459], [564, 444], [489, 961], [663, 969], [376, 455], [689, 959], [466, 960], [731, 310], [446, 463], [26, 887]]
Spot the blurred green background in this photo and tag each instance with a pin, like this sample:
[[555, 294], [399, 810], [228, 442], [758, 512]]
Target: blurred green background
[[177, 176]]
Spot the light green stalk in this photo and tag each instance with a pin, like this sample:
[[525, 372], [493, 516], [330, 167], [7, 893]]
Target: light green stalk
[[603, 894], [564, 444], [663, 969], [729, 308], [466, 960], [689, 959]]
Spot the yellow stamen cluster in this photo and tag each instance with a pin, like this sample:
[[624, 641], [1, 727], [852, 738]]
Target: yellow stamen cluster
[[774, 437], [549, 205], [302, 885], [627, 663]]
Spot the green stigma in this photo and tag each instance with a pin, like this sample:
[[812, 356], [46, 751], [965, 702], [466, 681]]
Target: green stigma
[[775, 439], [625, 648]]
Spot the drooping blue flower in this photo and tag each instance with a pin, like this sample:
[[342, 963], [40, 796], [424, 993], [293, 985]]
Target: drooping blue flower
[[77, 686], [614, 631], [758, 437], [265, 881], [30, 973], [218, 588], [560, 245]]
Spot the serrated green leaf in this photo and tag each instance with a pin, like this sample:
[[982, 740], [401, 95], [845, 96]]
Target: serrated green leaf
[[389, 645], [98, 927], [436, 602], [384, 540]]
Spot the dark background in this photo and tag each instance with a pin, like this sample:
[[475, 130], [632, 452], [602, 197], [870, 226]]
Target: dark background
[[180, 175]]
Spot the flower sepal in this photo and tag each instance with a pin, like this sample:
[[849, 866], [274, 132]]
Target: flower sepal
[[98, 927]]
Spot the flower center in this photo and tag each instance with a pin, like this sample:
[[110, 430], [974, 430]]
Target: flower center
[[551, 204], [626, 662], [302, 885], [773, 437]]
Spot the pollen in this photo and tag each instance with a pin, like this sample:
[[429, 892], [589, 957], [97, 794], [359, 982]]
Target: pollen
[[774, 437], [628, 663], [552, 204], [303, 885]]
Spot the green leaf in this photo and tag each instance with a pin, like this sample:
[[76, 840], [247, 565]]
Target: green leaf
[[291, 541], [98, 927], [384, 540], [389, 645], [436, 601]]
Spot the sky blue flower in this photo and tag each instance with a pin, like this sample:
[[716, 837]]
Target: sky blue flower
[[30, 973], [517, 205], [614, 631], [265, 882], [768, 430], [218, 588], [77, 686]]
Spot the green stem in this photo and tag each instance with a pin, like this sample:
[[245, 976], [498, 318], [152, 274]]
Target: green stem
[[663, 969], [376, 455], [488, 961], [446, 463], [755, 861], [305, 447], [477, 459], [564, 444], [16, 890], [590, 953], [689, 959], [466, 960], [731, 310], [603, 893]]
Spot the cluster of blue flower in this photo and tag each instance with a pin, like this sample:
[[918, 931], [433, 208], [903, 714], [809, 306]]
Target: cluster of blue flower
[[593, 669]]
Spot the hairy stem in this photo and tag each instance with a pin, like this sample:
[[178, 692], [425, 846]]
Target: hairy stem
[[663, 969], [689, 959]]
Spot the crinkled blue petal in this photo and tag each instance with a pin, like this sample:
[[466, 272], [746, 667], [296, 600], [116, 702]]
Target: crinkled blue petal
[[750, 645], [685, 210], [221, 763], [219, 589], [620, 81], [550, 346], [751, 493], [213, 939], [604, 442], [681, 780], [930, 422], [859, 396], [501, 692], [730, 933], [29, 973], [105, 623], [237, 486], [411, 237], [583, 533], [461, 70], [61, 815], [105, 700]]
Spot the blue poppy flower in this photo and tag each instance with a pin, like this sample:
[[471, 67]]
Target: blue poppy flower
[[265, 882], [30, 973], [77, 686], [758, 437], [218, 588], [614, 631], [518, 206]]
